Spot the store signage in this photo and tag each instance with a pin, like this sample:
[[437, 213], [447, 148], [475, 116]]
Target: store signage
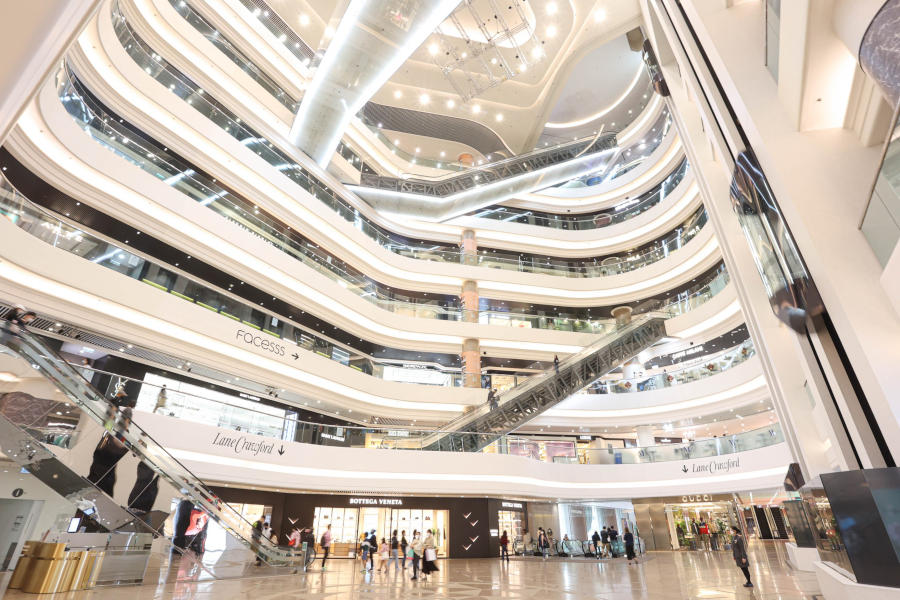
[[248, 396], [377, 501], [585, 437], [697, 498], [511, 505], [331, 436], [494, 533], [688, 352], [242, 445], [17, 493], [414, 366], [714, 466], [261, 341], [398, 433]]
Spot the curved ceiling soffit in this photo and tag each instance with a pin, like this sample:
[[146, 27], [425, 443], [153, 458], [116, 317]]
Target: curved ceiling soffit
[[455, 129], [565, 72]]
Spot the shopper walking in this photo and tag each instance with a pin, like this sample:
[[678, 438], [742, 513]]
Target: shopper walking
[[429, 555], [556, 364], [395, 551], [504, 547], [613, 538], [604, 541], [543, 543], [527, 543], [739, 553], [383, 556], [325, 542], [417, 549], [596, 540], [629, 545], [404, 544]]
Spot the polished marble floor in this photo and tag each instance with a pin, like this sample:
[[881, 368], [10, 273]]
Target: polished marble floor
[[659, 575]]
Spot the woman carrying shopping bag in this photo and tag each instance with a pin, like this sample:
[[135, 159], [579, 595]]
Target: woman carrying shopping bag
[[429, 556]]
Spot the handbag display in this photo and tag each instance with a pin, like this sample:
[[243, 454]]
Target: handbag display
[[430, 554]]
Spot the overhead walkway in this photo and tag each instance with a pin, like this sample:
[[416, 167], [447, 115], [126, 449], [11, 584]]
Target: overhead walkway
[[479, 427], [26, 449], [452, 196]]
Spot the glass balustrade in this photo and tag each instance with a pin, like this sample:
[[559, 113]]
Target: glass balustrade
[[618, 214], [199, 99], [701, 368], [141, 150], [194, 403]]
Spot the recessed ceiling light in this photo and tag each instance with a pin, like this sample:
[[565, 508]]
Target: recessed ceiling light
[[433, 49], [552, 8], [523, 67], [499, 117], [551, 31], [304, 19], [398, 94], [396, 142], [442, 153], [424, 99], [536, 52], [600, 15], [418, 149], [451, 103], [476, 108]]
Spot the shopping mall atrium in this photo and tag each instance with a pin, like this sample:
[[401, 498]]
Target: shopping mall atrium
[[546, 299]]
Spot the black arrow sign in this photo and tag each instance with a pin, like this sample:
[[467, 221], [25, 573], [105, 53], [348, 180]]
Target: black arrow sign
[[684, 468], [295, 355], [281, 450]]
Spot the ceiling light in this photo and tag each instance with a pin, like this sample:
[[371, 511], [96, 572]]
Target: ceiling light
[[536, 52], [494, 61], [398, 94], [424, 99], [433, 49], [600, 15], [551, 31], [304, 19], [442, 153], [418, 149], [7, 377], [396, 142], [523, 67], [476, 108], [552, 8], [451, 103], [329, 32], [499, 117]]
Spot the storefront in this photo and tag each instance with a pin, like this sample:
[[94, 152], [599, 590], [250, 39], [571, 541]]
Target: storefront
[[462, 527], [690, 522]]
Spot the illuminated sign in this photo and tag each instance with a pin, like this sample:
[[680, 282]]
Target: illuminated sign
[[377, 501], [511, 505]]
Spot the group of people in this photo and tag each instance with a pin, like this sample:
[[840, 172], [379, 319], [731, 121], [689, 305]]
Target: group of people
[[420, 551], [605, 543]]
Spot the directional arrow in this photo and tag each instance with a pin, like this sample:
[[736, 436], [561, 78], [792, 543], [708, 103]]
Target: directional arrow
[[281, 450], [295, 355], [684, 469]]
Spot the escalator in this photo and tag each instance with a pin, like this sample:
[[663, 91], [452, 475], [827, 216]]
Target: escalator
[[484, 186], [479, 427], [23, 445]]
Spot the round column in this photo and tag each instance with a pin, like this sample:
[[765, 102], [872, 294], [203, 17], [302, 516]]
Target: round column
[[622, 315], [469, 248], [469, 301], [471, 363]]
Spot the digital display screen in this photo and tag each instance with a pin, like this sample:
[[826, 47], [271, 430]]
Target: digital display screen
[[74, 523]]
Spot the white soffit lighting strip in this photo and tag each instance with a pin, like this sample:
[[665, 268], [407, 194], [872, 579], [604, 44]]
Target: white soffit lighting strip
[[719, 317], [331, 473], [103, 66], [40, 284]]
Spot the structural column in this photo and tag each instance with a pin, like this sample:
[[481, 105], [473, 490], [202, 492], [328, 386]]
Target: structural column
[[469, 301], [471, 363], [468, 247]]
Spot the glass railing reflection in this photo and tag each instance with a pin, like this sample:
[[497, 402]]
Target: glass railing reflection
[[182, 86], [703, 368], [196, 403], [618, 214]]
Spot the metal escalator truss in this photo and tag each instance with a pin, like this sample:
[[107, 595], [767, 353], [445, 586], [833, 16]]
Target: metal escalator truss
[[19, 342], [474, 430], [498, 171]]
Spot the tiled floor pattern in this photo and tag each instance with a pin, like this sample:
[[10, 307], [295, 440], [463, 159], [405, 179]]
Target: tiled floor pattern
[[660, 575]]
